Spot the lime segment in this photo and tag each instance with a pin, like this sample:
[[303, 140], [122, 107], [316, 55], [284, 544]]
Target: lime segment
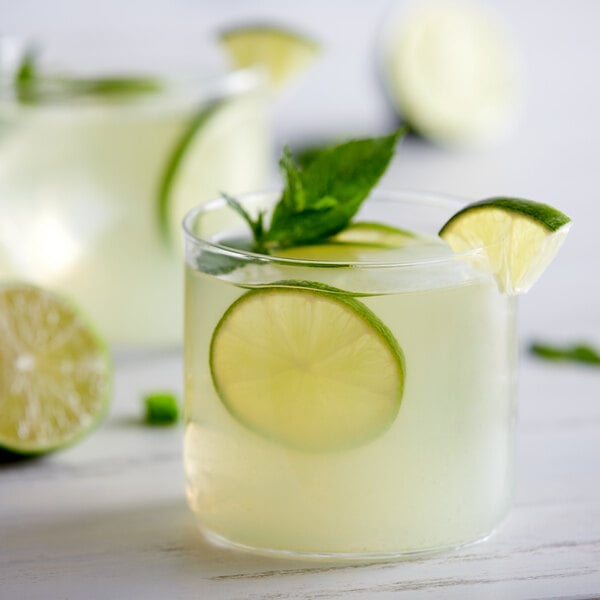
[[519, 238], [307, 368], [54, 371], [283, 53], [172, 206], [375, 234], [210, 155]]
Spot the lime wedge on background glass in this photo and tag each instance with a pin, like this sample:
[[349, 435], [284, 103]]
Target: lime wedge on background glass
[[282, 52], [55, 373], [311, 369], [451, 72], [519, 238]]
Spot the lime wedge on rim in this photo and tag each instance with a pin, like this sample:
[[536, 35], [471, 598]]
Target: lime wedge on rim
[[519, 238], [55, 373], [310, 369], [282, 52]]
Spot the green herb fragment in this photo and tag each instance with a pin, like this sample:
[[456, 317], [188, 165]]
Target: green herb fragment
[[582, 353], [321, 199], [256, 225], [25, 78], [161, 408], [304, 156], [32, 86]]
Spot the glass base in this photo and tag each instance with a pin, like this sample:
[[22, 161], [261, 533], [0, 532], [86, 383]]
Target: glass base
[[223, 542]]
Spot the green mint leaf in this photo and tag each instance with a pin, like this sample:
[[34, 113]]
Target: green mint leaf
[[256, 225], [293, 198], [322, 199], [32, 86], [305, 155], [582, 353], [114, 86], [25, 78]]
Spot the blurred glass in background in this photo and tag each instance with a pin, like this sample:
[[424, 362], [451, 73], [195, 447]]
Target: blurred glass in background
[[98, 163]]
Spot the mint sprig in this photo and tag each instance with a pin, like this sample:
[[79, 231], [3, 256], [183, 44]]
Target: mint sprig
[[320, 200], [32, 86], [581, 353]]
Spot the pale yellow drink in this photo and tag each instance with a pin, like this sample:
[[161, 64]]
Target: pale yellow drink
[[80, 193], [439, 475]]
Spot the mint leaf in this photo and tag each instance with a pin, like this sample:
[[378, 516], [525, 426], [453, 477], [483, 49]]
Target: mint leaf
[[25, 78], [256, 225], [322, 199], [114, 86], [582, 353], [293, 198], [33, 86]]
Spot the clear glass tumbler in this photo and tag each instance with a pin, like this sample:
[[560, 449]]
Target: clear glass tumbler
[[346, 400]]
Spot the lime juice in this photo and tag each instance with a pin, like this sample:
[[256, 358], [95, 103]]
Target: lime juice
[[354, 397], [93, 188]]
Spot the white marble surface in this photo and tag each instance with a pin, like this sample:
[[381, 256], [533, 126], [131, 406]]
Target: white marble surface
[[107, 518]]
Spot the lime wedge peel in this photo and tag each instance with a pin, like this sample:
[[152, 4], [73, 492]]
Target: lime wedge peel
[[283, 53], [517, 238], [307, 368], [55, 373]]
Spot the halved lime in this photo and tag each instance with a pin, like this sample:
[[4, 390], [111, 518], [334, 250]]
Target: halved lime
[[311, 369], [519, 238], [282, 52], [451, 72], [55, 373]]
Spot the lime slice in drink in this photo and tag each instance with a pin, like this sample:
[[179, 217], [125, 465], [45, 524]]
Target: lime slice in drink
[[519, 238], [308, 368], [282, 52], [55, 373], [451, 72], [363, 242], [375, 234]]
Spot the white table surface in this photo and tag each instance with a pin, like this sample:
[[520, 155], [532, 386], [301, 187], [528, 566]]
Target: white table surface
[[107, 518]]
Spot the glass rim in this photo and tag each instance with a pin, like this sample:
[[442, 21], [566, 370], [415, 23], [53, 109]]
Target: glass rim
[[403, 195]]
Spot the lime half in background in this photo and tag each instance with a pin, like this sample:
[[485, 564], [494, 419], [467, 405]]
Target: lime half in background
[[519, 238], [283, 53], [310, 369], [55, 373], [451, 72]]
